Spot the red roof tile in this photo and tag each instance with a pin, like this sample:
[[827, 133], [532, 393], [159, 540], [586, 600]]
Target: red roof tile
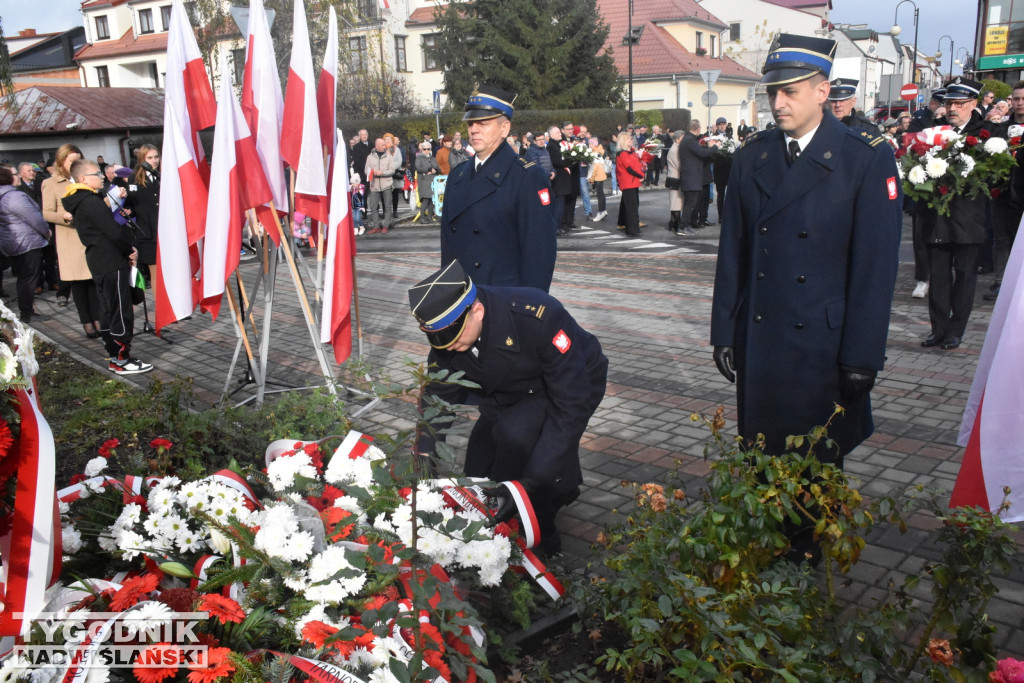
[[96, 4], [127, 44], [423, 15], [46, 109], [658, 53]]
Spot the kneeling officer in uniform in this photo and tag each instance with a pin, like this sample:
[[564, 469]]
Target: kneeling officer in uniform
[[541, 378]]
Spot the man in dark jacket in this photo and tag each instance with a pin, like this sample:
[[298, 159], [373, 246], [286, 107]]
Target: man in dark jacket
[[23, 235], [842, 98], [565, 186], [692, 158], [803, 291], [541, 378], [955, 241], [110, 253], [360, 151]]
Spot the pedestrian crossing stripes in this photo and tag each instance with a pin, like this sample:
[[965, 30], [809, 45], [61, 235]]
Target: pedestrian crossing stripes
[[618, 242]]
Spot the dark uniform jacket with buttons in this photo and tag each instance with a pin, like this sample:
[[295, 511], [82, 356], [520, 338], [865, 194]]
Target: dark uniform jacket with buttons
[[531, 347], [498, 222], [806, 271], [692, 158]]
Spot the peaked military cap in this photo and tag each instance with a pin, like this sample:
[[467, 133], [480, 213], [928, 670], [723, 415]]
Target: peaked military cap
[[793, 58], [961, 88], [441, 304], [488, 102], [938, 94], [842, 89]]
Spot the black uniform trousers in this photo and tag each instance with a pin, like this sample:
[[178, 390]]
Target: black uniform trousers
[[953, 277], [117, 321], [921, 268], [501, 444]]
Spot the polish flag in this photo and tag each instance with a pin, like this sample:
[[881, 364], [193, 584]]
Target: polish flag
[[327, 90], [182, 216], [186, 85], [993, 425], [262, 104], [336, 316], [236, 185], [300, 128]]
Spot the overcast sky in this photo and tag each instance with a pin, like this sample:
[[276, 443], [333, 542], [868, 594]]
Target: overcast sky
[[955, 18]]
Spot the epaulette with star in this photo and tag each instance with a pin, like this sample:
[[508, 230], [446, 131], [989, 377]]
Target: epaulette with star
[[524, 163], [869, 138], [532, 310], [752, 137]]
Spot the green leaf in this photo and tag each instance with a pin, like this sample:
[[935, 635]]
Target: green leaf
[[665, 605], [177, 569]]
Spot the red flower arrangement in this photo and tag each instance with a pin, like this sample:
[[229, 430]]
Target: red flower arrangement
[[224, 609]]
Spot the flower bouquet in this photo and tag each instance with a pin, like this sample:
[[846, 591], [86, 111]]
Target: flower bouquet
[[937, 166], [578, 152], [653, 146], [726, 146], [339, 568]]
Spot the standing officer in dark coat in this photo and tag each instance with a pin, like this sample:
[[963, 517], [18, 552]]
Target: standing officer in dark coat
[[955, 241], [692, 158], [806, 262], [541, 378], [497, 217], [566, 183], [842, 98]]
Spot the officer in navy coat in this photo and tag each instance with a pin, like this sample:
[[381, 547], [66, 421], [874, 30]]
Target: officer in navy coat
[[807, 261], [842, 99], [541, 378], [497, 217]]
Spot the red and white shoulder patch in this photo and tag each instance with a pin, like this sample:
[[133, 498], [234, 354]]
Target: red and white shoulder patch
[[891, 186], [562, 341], [545, 196]]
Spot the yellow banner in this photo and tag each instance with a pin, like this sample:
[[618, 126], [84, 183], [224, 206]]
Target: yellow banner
[[995, 40]]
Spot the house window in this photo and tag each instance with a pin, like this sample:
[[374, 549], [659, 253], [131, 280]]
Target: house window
[[429, 52], [711, 53], [367, 11], [400, 62], [154, 74], [357, 53], [102, 30], [103, 77], [734, 31], [145, 21], [165, 17], [700, 39], [238, 62]]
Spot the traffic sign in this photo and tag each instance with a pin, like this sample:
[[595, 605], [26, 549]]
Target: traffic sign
[[437, 102], [709, 76], [909, 92], [920, 99], [709, 98]]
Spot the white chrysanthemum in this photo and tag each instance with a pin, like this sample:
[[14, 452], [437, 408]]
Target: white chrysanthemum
[[282, 471], [149, 613], [130, 515], [344, 470], [967, 164], [437, 546], [949, 134], [328, 563], [917, 175], [131, 543], [107, 543], [23, 351], [281, 516], [8, 363], [995, 145], [382, 675], [297, 548], [45, 674], [95, 466], [352, 505], [71, 539], [319, 613], [168, 482], [63, 507], [936, 167], [297, 582], [428, 499]]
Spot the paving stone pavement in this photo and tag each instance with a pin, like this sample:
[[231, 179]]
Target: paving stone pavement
[[651, 312]]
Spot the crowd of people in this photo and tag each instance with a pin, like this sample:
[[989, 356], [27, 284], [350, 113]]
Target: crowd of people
[[79, 228]]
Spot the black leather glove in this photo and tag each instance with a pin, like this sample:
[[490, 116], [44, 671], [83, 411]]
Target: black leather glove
[[724, 361], [855, 383], [507, 509]]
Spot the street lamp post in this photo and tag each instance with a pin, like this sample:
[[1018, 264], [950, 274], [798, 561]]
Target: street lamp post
[[630, 34], [938, 53], [963, 61], [895, 30]]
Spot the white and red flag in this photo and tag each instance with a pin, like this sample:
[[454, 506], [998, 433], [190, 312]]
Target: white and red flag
[[263, 105], [993, 425], [236, 185], [186, 85], [336, 316], [327, 92], [300, 127], [182, 219]]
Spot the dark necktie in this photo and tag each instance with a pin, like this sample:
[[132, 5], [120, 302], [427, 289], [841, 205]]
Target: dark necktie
[[794, 151]]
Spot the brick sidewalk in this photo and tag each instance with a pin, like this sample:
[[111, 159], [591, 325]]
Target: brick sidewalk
[[651, 313]]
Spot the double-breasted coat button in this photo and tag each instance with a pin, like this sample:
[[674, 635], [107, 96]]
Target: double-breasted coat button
[[802, 235], [476, 265], [764, 230], [476, 231], [799, 326], [758, 318], [760, 276], [801, 279]]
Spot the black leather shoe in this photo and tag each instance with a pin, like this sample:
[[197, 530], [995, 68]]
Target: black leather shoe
[[930, 341], [707, 224], [950, 343], [991, 295]]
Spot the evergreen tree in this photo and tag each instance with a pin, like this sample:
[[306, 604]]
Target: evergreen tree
[[550, 52]]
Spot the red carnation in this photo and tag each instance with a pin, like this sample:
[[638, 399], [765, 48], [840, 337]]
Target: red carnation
[[984, 134], [77, 478], [107, 446], [971, 141], [161, 444], [943, 189]]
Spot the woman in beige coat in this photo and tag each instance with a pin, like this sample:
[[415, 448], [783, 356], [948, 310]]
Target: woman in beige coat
[[70, 250], [675, 195]]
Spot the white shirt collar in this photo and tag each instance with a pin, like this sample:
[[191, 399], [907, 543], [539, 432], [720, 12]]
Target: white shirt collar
[[803, 140]]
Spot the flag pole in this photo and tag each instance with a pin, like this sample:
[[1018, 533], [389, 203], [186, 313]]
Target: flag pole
[[355, 300]]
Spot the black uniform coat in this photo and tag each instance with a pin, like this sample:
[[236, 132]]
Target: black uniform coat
[[806, 270], [499, 223], [533, 354], [691, 163], [567, 173], [857, 121]]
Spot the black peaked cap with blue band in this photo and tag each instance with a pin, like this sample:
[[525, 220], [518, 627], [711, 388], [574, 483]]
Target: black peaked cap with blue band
[[961, 88], [842, 89], [938, 94], [488, 102], [793, 58], [441, 304]]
